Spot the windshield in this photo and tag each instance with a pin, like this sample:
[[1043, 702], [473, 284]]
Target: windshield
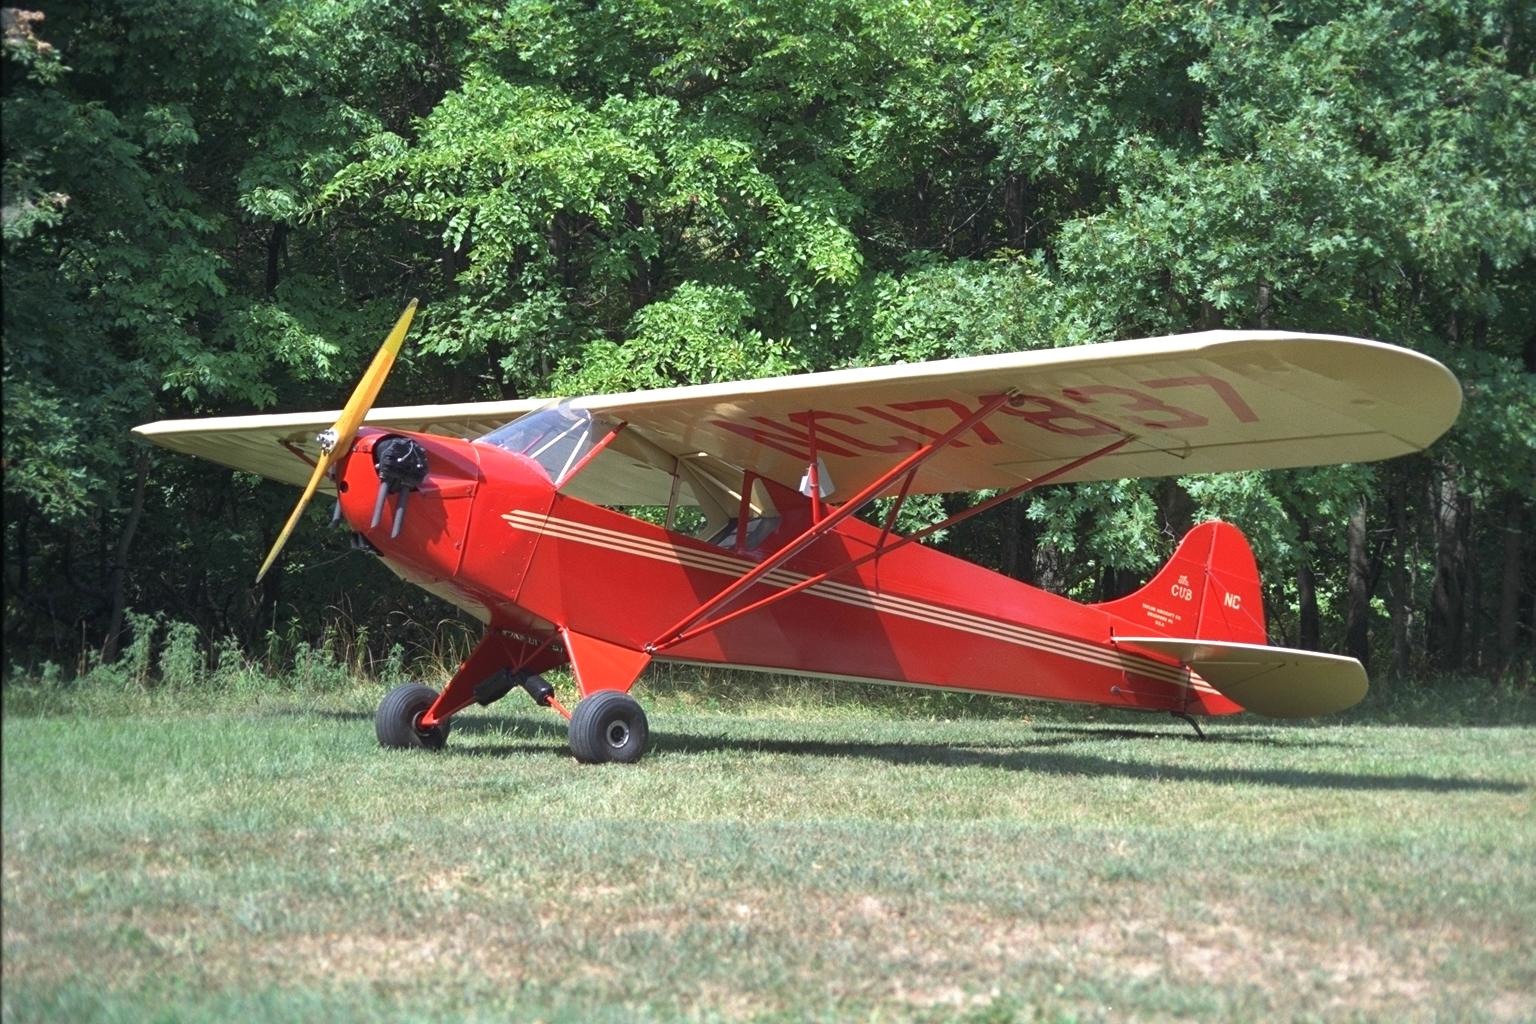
[[556, 437]]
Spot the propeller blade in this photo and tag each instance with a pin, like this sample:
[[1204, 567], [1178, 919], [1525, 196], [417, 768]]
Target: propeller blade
[[321, 465], [346, 425], [368, 388]]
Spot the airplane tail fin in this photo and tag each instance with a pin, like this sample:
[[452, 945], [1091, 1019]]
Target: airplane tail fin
[[1205, 609], [1209, 590]]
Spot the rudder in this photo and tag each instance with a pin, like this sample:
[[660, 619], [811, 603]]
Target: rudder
[[1208, 590]]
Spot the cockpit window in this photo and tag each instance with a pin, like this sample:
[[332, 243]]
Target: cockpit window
[[758, 530], [556, 437], [684, 493]]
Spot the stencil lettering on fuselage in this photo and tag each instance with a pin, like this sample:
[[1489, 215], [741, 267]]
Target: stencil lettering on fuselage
[[1162, 618]]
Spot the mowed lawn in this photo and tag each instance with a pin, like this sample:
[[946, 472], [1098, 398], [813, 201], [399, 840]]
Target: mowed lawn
[[262, 858]]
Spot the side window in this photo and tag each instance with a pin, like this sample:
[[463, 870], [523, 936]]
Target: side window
[[634, 476], [689, 493], [759, 529], [761, 520]]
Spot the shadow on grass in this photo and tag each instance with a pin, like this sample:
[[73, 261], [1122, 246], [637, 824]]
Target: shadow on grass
[[1034, 753], [1213, 736], [1031, 759], [481, 724], [462, 725]]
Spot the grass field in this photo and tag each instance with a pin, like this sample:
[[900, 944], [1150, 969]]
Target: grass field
[[259, 857]]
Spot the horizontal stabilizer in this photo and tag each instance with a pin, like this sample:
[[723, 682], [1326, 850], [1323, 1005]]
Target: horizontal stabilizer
[[1274, 681]]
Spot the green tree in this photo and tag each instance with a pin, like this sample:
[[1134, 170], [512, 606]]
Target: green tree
[[219, 207]]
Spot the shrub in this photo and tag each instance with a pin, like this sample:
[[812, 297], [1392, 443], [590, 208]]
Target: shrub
[[133, 667], [182, 664]]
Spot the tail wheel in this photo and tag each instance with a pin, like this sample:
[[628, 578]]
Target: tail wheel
[[395, 723], [609, 726]]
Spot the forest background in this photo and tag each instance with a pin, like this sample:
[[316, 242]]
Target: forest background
[[218, 207]]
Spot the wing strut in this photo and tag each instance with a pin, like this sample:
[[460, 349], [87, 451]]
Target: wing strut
[[698, 620], [821, 527], [680, 633]]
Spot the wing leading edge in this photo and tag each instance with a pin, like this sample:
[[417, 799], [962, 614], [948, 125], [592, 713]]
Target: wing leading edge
[[276, 446], [1195, 403]]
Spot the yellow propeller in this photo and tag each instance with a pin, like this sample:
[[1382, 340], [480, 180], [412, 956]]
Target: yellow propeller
[[339, 438]]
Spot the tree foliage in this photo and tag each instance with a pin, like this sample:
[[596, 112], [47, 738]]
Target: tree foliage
[[218, 207]]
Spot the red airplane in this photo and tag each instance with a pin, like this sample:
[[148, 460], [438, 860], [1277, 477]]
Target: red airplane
[[719, 524]]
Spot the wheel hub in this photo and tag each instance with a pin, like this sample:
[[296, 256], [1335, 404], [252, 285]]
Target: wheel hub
[[618, 734]]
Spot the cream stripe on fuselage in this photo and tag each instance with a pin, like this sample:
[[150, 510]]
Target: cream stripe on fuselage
[[907, 608]]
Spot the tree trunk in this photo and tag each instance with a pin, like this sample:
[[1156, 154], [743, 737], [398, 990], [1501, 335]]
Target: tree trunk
[[562, 231], [1511, 582], [1473, 648], [1016, 211], [1050, 568], [1012, 519], [1176, 507], [1358, 613], [1308, 631], [641, 282], [24, 551], [1447, 606], [1400, 606], [109, 647], [1210, 316], [275, 242]]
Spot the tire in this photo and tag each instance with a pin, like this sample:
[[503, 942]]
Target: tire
[[395, 721], [609, 726]]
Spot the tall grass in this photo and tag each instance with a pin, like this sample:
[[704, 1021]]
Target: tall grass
[[170, 661]]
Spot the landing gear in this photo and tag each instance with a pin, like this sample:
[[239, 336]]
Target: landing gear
[[1191, 720], [395, 723], [608, 726]]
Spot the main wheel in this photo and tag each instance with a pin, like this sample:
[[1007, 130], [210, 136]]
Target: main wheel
[[609, 726], [400, 710]]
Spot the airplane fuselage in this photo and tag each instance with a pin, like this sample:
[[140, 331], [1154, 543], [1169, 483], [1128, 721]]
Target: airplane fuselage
[[489, 532]]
